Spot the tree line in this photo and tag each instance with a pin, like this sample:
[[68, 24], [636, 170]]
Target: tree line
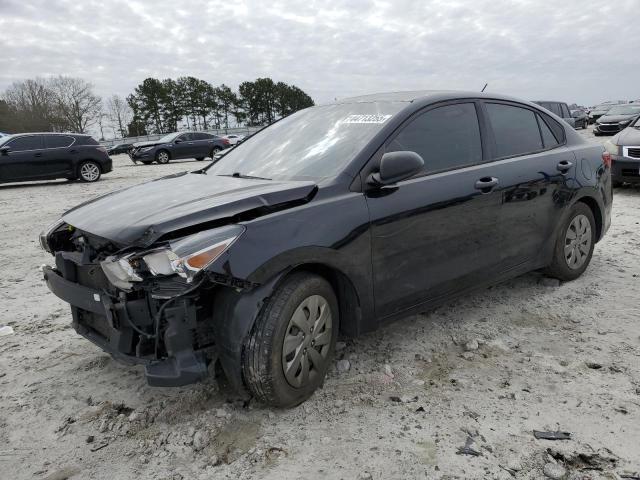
[[62, 104]]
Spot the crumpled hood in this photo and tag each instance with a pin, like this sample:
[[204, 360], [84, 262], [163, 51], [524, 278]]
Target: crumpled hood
[[142, 214], [146, 144]]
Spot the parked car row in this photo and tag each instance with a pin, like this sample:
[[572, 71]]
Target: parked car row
[[178, 145]]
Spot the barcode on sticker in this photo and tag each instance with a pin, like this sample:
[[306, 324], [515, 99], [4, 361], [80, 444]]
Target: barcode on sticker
[[367, 118]]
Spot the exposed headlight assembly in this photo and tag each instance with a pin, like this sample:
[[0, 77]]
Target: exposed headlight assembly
[[43, 238], [185, 257]]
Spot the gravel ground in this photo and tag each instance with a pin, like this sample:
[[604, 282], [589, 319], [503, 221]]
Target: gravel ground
[[484, 371]]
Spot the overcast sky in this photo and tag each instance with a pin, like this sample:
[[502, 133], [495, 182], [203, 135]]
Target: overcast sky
[[580, 51]]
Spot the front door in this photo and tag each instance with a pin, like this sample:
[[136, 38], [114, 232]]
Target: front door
[[436, 233], [25, 161]]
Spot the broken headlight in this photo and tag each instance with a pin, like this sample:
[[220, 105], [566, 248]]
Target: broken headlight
[[185, 257]]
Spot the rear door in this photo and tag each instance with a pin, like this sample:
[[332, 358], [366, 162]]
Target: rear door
[[435, 233], [25, 161], [536, 171], [203, 144], [59, 154]]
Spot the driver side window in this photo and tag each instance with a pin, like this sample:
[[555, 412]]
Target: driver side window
[[445, 137]]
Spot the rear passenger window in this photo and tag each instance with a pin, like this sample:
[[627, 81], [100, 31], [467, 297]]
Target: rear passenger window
[[515, 130], [57, 141], [445, 137], [565, 111], [548, 137]]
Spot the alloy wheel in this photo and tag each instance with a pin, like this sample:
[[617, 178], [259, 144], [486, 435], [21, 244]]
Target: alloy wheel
[[577, 242], [163, 157], [89, 172], [307, 341]]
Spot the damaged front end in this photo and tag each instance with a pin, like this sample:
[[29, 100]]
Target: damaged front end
[[143, 306]]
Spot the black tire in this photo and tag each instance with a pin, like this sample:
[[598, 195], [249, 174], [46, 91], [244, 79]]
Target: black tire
[[89, 171], [199, 159], [559, 267], [616, 184], [215, 150], [162, 156], [147, 162], [263, 366]]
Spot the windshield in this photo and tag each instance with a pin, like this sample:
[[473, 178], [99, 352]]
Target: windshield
[[624, 110], [602, 108], [169, 138], [5, 138], [314, 143]]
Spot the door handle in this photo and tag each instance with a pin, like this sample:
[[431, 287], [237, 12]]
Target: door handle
[[564, 166], [486, 184], [37, 154]]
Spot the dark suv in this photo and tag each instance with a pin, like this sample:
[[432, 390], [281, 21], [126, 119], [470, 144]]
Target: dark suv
[[174, 146], [373, 208], [46, 156]]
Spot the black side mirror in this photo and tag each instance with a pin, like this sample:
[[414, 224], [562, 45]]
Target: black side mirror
[[5, 150], [177, 140], [397, 166]]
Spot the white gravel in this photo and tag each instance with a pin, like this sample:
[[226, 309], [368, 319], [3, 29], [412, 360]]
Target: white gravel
[[68, 411]]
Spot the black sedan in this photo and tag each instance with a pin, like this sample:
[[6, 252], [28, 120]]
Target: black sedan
[[178, 145], [616, 119], [47, 156], [374, 208]]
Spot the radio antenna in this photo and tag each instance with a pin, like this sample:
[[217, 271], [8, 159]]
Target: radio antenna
[[485, 86]]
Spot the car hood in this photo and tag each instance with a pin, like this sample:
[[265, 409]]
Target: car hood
[[146, 144], [140, 215], [615, 118], [628, 136]]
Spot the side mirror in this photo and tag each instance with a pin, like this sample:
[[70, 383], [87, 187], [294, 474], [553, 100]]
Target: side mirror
[[5, 150], [177, 140], [396, 166]]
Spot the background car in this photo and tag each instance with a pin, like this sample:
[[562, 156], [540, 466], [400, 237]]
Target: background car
[[119, 148], [599, 110], [234, 139], [625, 154], [561, 109], [581, 118], [3, 134], [616, 119], [178, 145], [46, 156]]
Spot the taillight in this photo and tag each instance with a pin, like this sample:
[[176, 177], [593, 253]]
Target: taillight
[[606, 159], [225, 141]]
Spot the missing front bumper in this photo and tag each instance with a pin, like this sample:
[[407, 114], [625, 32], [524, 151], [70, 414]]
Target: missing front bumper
[[178, 357]]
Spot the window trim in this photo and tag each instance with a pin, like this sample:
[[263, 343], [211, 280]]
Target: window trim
[[73, 141], [8, 144], [426, 109], [536, 112]]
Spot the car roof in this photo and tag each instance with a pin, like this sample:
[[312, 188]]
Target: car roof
[[424, 95], [52, 133], [548, 101]]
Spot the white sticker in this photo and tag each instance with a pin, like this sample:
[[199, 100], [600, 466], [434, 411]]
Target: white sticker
[[366, 118]]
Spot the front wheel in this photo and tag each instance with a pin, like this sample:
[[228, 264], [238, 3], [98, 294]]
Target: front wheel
[[290, 347], [162, 156], [89, 171], [574, 245]]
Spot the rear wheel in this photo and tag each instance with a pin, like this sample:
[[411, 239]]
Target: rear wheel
[[215, 150], [290, 348], [574, 245], [89, 171], [617, 184], [199, 159], [162, 156]]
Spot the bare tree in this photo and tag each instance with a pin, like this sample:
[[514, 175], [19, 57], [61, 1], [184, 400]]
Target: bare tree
[[76, 102], [33, 103], [119, 113]]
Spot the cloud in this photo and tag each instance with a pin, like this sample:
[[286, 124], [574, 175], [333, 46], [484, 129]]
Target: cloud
[[577, 50]]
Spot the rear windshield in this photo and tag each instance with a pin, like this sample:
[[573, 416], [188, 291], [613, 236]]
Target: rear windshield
[[314, 143]]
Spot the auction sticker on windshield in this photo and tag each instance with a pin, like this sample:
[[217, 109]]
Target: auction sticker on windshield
[[366, 118]]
